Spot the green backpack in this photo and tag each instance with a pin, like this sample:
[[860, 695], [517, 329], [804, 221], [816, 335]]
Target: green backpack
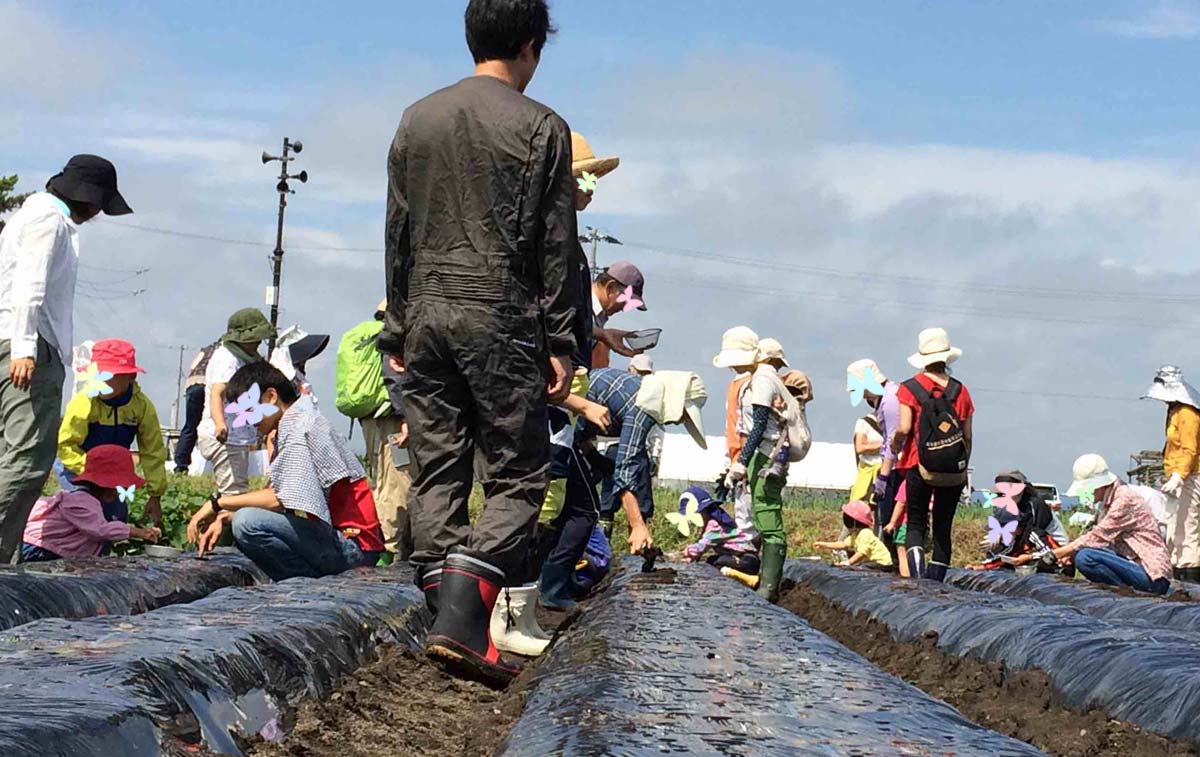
[[359, 372]]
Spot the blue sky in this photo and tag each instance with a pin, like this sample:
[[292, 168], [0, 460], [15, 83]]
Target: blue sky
[[1032, 165]]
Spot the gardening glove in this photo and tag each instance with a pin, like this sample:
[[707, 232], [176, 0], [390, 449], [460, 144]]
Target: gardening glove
[[737, 473], [881, 483], [1174, 486]]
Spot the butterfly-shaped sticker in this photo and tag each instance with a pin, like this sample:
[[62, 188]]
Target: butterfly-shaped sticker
[[1007, 496], [588, 182], [125, 493], [630, 300], [248, 411], [94, 381], [1087, 498], [998, 533], [689, 517], [870, 382]]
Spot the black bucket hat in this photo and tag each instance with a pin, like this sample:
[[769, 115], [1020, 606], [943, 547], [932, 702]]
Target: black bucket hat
[[92, 180]]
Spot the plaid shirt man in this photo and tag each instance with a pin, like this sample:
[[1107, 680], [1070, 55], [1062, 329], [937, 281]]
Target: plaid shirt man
[[617, 390]]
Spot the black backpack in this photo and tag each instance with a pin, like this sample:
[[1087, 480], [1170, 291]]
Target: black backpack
[[941, 445]]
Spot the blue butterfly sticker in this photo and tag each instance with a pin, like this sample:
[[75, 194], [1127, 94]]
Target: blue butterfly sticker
[[94, 381], [125, 493], [870, 382]]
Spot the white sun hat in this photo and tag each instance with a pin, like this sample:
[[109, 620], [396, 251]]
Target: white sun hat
[[675, 397], [642, 363], [771, 349], [933, 346], [859, 368], [1169, 387], [739, 346], [1090, 473]]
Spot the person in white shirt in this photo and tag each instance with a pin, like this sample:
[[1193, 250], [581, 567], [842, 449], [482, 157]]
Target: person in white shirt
[[39, 256], [228, 448]]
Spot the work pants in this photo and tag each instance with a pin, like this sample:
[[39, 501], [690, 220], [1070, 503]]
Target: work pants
[[475, 382], [945, 505], [390, 484], [766, 495], [581, 508], [29, 420], [231, 464], [1183, 527]]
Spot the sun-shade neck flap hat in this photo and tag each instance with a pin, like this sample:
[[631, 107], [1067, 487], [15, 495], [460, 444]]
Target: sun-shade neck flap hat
[[1090, 473], [110, 466], [771, 349], [248, 325], [859, 512], [93, 180], [116, 356], [1169, 387], [933, 346], [642, 363], [739, 346], [799, 386], [583, 159], [675, 397], [858, 370]]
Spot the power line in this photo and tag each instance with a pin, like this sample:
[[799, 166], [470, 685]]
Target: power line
[[242, 242]]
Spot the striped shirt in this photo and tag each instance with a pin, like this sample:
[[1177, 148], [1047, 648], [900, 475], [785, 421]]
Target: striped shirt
[[309, 459], [617, 390]]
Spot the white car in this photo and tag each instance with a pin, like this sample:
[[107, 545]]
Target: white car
[[1049, 492]]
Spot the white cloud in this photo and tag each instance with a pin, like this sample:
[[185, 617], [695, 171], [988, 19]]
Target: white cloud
[[1166, 20]]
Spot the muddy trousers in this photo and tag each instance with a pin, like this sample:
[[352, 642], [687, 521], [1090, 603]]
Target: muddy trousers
[[1183, 526], [29, 421], [475, 383], [945, 505]]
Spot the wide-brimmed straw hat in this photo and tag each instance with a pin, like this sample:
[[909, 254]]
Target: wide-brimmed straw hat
[[110, 466], [771, 349], [933, 346], [739, 346], [583, 159], [1090, 473]]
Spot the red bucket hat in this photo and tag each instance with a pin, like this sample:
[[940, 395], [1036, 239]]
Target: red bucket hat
[[115, 356], [110, 466]]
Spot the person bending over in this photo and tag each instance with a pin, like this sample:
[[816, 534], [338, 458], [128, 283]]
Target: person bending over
[[317, 517]]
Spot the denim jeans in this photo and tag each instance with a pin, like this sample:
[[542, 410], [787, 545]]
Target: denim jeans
[[193, 414], [286, 546], [1106, 567]]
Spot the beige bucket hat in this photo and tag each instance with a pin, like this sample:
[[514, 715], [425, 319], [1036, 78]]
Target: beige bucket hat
[[739, 346], [583, 159], [771, 349], [1089, 473], [933, 346]]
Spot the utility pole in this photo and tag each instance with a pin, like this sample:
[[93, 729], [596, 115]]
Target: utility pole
[[178, 389], [595, 236], [289, 146]]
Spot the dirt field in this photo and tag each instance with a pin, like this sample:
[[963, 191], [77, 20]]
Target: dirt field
[[1023, 705]]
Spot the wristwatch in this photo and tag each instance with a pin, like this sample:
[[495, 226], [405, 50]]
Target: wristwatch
[[214, 500]]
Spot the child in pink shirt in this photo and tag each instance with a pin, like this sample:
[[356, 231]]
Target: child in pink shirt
[[72, 523]]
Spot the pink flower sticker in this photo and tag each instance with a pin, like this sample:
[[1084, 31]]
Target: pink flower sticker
[[1008, 494], [629, 300]]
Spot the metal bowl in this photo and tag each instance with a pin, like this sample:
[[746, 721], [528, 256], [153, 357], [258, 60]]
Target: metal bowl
[[1026, 570], [160, 550], [645, 339]]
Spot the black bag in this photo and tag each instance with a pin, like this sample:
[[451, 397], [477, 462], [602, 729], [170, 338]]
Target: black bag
[[942, 449]]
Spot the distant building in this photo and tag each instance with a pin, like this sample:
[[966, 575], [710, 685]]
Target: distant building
[[828, 466]]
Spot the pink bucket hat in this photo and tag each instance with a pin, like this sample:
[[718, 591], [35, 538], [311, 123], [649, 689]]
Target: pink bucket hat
[[860, 512]]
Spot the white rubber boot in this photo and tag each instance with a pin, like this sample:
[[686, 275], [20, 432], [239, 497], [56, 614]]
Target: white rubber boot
[[514, 626]]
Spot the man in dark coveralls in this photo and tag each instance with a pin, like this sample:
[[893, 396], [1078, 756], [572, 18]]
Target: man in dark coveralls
[[481, 239]]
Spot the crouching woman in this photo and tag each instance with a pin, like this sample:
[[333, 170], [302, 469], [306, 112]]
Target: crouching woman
[[318, 516], [1125, 547]]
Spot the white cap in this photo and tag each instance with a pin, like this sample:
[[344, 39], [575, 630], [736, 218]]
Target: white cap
[[642, 363], [771, 349]]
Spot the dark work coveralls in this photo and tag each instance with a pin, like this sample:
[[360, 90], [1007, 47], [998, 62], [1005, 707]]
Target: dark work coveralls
[[481, 236]]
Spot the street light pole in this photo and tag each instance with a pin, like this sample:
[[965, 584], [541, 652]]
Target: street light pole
[[289, 146], [595, 236]]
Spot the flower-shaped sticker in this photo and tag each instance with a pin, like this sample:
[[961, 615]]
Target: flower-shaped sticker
[[1008, 493], [998, 533], [125, 493], [688, 518], [94, 381], [588, 182], [629, 299], [248, 410], [858, 386]]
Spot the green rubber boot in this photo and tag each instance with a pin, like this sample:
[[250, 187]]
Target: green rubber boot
[[773, 555]]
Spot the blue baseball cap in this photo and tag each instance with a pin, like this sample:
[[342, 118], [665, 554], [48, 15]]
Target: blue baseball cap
[[704, 500]]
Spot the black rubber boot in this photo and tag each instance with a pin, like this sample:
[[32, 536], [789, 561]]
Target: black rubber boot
[[936, 572], [1191, 575], [916, 562], [461, 636], [428, 578], [773, 556]]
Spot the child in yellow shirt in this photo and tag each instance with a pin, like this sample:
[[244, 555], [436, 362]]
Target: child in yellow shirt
[[869, 549]]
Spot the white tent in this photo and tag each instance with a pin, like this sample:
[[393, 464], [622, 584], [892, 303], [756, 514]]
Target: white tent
[[827, 466]]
